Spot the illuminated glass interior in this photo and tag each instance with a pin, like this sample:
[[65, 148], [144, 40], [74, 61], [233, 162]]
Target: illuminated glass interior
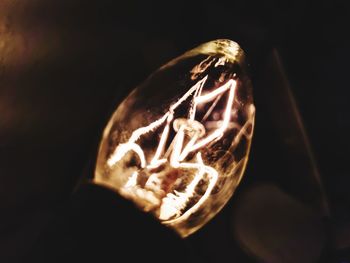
[[178, 145]]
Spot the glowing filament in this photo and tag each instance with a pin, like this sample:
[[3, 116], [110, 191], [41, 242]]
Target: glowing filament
[[173, 204]]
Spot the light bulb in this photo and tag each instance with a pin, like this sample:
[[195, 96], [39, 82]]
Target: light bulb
[[178, 145]]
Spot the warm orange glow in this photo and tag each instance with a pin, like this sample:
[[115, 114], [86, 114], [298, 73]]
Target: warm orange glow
[[178, 145]]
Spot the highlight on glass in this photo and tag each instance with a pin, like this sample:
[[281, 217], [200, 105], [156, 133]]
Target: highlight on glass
[[178, 145]]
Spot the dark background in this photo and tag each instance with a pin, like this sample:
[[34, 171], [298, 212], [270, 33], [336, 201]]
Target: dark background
[[65, 66]]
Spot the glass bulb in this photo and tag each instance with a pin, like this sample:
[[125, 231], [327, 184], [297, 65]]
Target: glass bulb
[[178, 145]]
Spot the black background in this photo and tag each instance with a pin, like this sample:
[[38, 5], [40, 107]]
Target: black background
[[65, 65]]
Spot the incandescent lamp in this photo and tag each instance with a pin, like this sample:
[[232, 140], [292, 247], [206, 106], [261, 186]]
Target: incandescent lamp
[[178, 145]]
